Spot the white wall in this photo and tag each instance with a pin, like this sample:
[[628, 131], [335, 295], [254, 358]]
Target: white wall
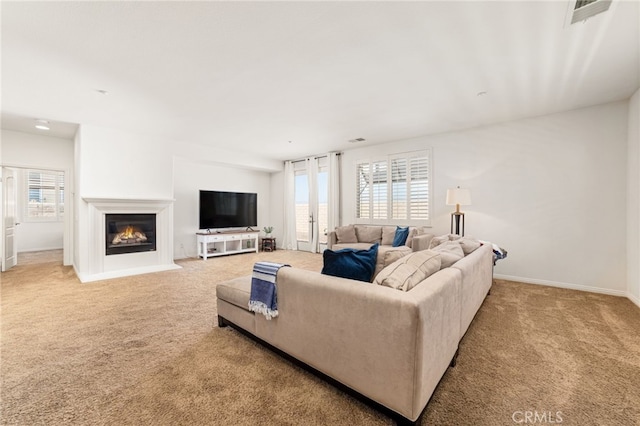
[[633, 200], [120, 164], [190, 176], [28, 150], [551, 190]]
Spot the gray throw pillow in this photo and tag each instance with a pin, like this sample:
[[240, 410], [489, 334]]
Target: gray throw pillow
[[469, 244], [409, 271], [450, 252]]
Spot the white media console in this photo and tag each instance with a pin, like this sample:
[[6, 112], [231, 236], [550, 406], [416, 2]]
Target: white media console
[[227, 242]]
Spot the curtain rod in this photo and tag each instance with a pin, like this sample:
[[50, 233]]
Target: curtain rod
[[314, 157]]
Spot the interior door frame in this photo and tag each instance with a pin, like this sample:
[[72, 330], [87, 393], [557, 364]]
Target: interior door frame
[[3, 202]]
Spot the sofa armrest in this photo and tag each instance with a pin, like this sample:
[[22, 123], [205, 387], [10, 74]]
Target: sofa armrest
[[332, 238], [421, 242]]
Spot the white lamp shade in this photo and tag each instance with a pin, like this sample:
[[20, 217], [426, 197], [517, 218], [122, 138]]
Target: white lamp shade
[[460, 196]]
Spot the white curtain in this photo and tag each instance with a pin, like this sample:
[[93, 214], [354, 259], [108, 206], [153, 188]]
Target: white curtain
[[312, 173], [289, 240], [333, 201]]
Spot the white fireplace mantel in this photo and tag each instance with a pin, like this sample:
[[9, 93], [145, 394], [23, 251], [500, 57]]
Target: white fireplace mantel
[[101, 266]]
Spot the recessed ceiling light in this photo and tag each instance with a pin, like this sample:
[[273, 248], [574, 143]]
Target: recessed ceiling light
[[42, 124], [481, 93], [102, 92], [357, 140]]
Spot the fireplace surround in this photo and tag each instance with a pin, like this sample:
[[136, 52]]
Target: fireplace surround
[[92, 262]]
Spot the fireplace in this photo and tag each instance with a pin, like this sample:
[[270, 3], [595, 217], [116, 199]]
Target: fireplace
[[130, 233]]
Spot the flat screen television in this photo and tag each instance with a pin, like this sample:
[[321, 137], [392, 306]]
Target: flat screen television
[[219, 209]]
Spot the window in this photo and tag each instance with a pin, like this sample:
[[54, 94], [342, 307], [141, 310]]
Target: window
[[44, 195], [396, 187]]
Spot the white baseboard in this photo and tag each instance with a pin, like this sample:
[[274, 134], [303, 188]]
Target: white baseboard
[[601, 290], [634, 299], [39, 249]]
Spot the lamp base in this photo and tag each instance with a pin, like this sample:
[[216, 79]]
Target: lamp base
[[456, 217]]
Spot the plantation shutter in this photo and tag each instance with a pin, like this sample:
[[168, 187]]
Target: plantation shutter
[[44, 195], [399, 188], [379, 190], [419, 188], [363, 199], [396, 187]]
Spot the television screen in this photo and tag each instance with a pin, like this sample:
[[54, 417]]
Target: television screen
[[220, 209]]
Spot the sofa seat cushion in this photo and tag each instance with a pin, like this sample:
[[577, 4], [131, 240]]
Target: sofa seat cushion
[[236, 291], [409, 271]]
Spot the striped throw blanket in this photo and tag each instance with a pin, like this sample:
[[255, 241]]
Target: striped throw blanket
[[264, 298]]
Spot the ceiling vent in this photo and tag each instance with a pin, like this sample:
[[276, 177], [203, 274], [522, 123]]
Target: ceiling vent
[[356, 140], [585, 9]]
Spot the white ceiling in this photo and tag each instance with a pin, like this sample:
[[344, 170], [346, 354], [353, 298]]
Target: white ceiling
[[252, 76]]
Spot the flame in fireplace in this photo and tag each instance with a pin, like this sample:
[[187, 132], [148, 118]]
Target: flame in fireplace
[[128, 236], [128, 232]]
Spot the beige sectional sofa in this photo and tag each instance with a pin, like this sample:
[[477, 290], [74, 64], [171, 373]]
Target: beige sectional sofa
[[392, 347]]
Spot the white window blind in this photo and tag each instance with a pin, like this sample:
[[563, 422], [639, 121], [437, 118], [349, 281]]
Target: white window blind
[[363, 198], [397, 187], [43, 195]]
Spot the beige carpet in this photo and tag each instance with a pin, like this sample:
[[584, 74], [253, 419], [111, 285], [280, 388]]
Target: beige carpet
[[146, 350]]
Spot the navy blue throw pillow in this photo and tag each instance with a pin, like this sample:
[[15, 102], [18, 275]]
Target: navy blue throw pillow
[[351, 263], [401, 236]]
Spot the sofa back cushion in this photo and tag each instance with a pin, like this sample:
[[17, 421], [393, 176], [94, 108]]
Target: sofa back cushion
[[388, 234], [346, 234], [408, 271], [369, 234], [350, 263]]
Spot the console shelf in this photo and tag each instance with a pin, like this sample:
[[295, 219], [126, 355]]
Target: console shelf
[[224, 243]]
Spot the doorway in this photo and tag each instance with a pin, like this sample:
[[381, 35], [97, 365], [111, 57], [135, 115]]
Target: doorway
[[35, 213]]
